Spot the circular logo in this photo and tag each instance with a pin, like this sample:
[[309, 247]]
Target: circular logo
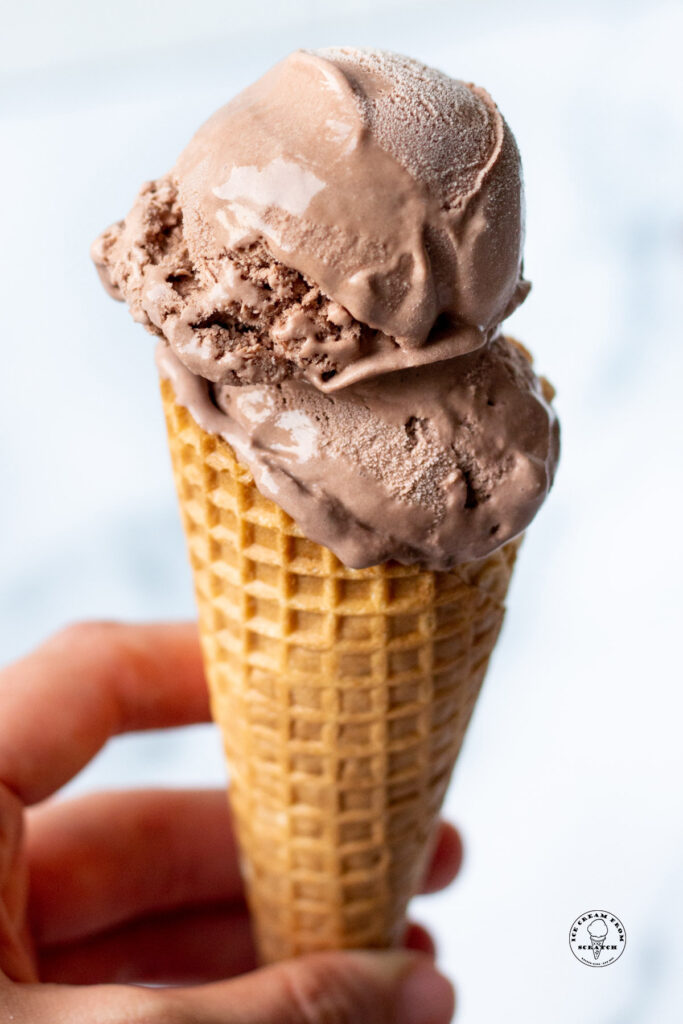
[[597, 938]]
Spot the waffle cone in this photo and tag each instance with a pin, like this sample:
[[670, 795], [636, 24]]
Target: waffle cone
[[342, 695]]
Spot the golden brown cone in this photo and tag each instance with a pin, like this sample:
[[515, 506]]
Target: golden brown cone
[[342, 695]]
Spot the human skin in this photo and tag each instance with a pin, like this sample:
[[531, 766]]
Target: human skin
[[102, 893]]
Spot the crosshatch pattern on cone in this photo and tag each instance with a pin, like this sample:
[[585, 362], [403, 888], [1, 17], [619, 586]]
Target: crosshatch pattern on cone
[[342, 695]]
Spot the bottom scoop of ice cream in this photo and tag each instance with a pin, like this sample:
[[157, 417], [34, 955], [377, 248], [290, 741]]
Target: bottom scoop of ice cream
[[438, 465]]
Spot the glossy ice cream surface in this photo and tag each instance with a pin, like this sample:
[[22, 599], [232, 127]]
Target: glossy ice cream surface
[[390, 192], [328, 265]]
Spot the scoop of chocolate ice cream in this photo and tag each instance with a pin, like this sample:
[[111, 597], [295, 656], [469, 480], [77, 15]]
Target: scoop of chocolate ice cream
[[351, 213], [438, 464]]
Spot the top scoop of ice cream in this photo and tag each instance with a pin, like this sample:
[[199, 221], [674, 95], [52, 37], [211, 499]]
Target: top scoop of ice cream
[[351, 213]]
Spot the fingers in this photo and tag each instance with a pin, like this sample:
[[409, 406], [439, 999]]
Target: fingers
[[180, 948], [93, 1004], [59, 705], [16, 960], [107, 858], [376, 988], [418, 939], [446, 859], [187, 947], [13, 872]]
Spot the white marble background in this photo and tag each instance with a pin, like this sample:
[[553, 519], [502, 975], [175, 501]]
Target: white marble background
[[568, 790]]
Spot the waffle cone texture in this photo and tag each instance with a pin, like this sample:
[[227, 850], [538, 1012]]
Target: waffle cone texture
[[342, 696]]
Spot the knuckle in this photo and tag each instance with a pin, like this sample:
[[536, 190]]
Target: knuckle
[[155, 1007], [84, 632], [320, 990]]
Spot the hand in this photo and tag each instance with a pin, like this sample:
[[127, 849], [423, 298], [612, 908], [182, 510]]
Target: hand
[[105, 892]]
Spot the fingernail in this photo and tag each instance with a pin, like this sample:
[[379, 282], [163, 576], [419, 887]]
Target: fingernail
[[424, 997]]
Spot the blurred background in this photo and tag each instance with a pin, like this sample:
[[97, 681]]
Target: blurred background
[[568, 788]]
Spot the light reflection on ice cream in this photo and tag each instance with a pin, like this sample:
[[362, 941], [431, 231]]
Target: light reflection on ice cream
[[302, 443], [281, 183]]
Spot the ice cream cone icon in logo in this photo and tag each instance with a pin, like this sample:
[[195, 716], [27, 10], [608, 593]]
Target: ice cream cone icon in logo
[[597, 938], [598, 933]]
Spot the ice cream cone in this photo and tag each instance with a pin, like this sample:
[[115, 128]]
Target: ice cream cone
[[343, 696], [597, 933]]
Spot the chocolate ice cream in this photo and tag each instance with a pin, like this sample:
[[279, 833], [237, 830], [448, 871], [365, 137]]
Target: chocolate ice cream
[[327, 267]]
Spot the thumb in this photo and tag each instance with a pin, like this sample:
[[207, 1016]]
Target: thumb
[[396, 987]]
